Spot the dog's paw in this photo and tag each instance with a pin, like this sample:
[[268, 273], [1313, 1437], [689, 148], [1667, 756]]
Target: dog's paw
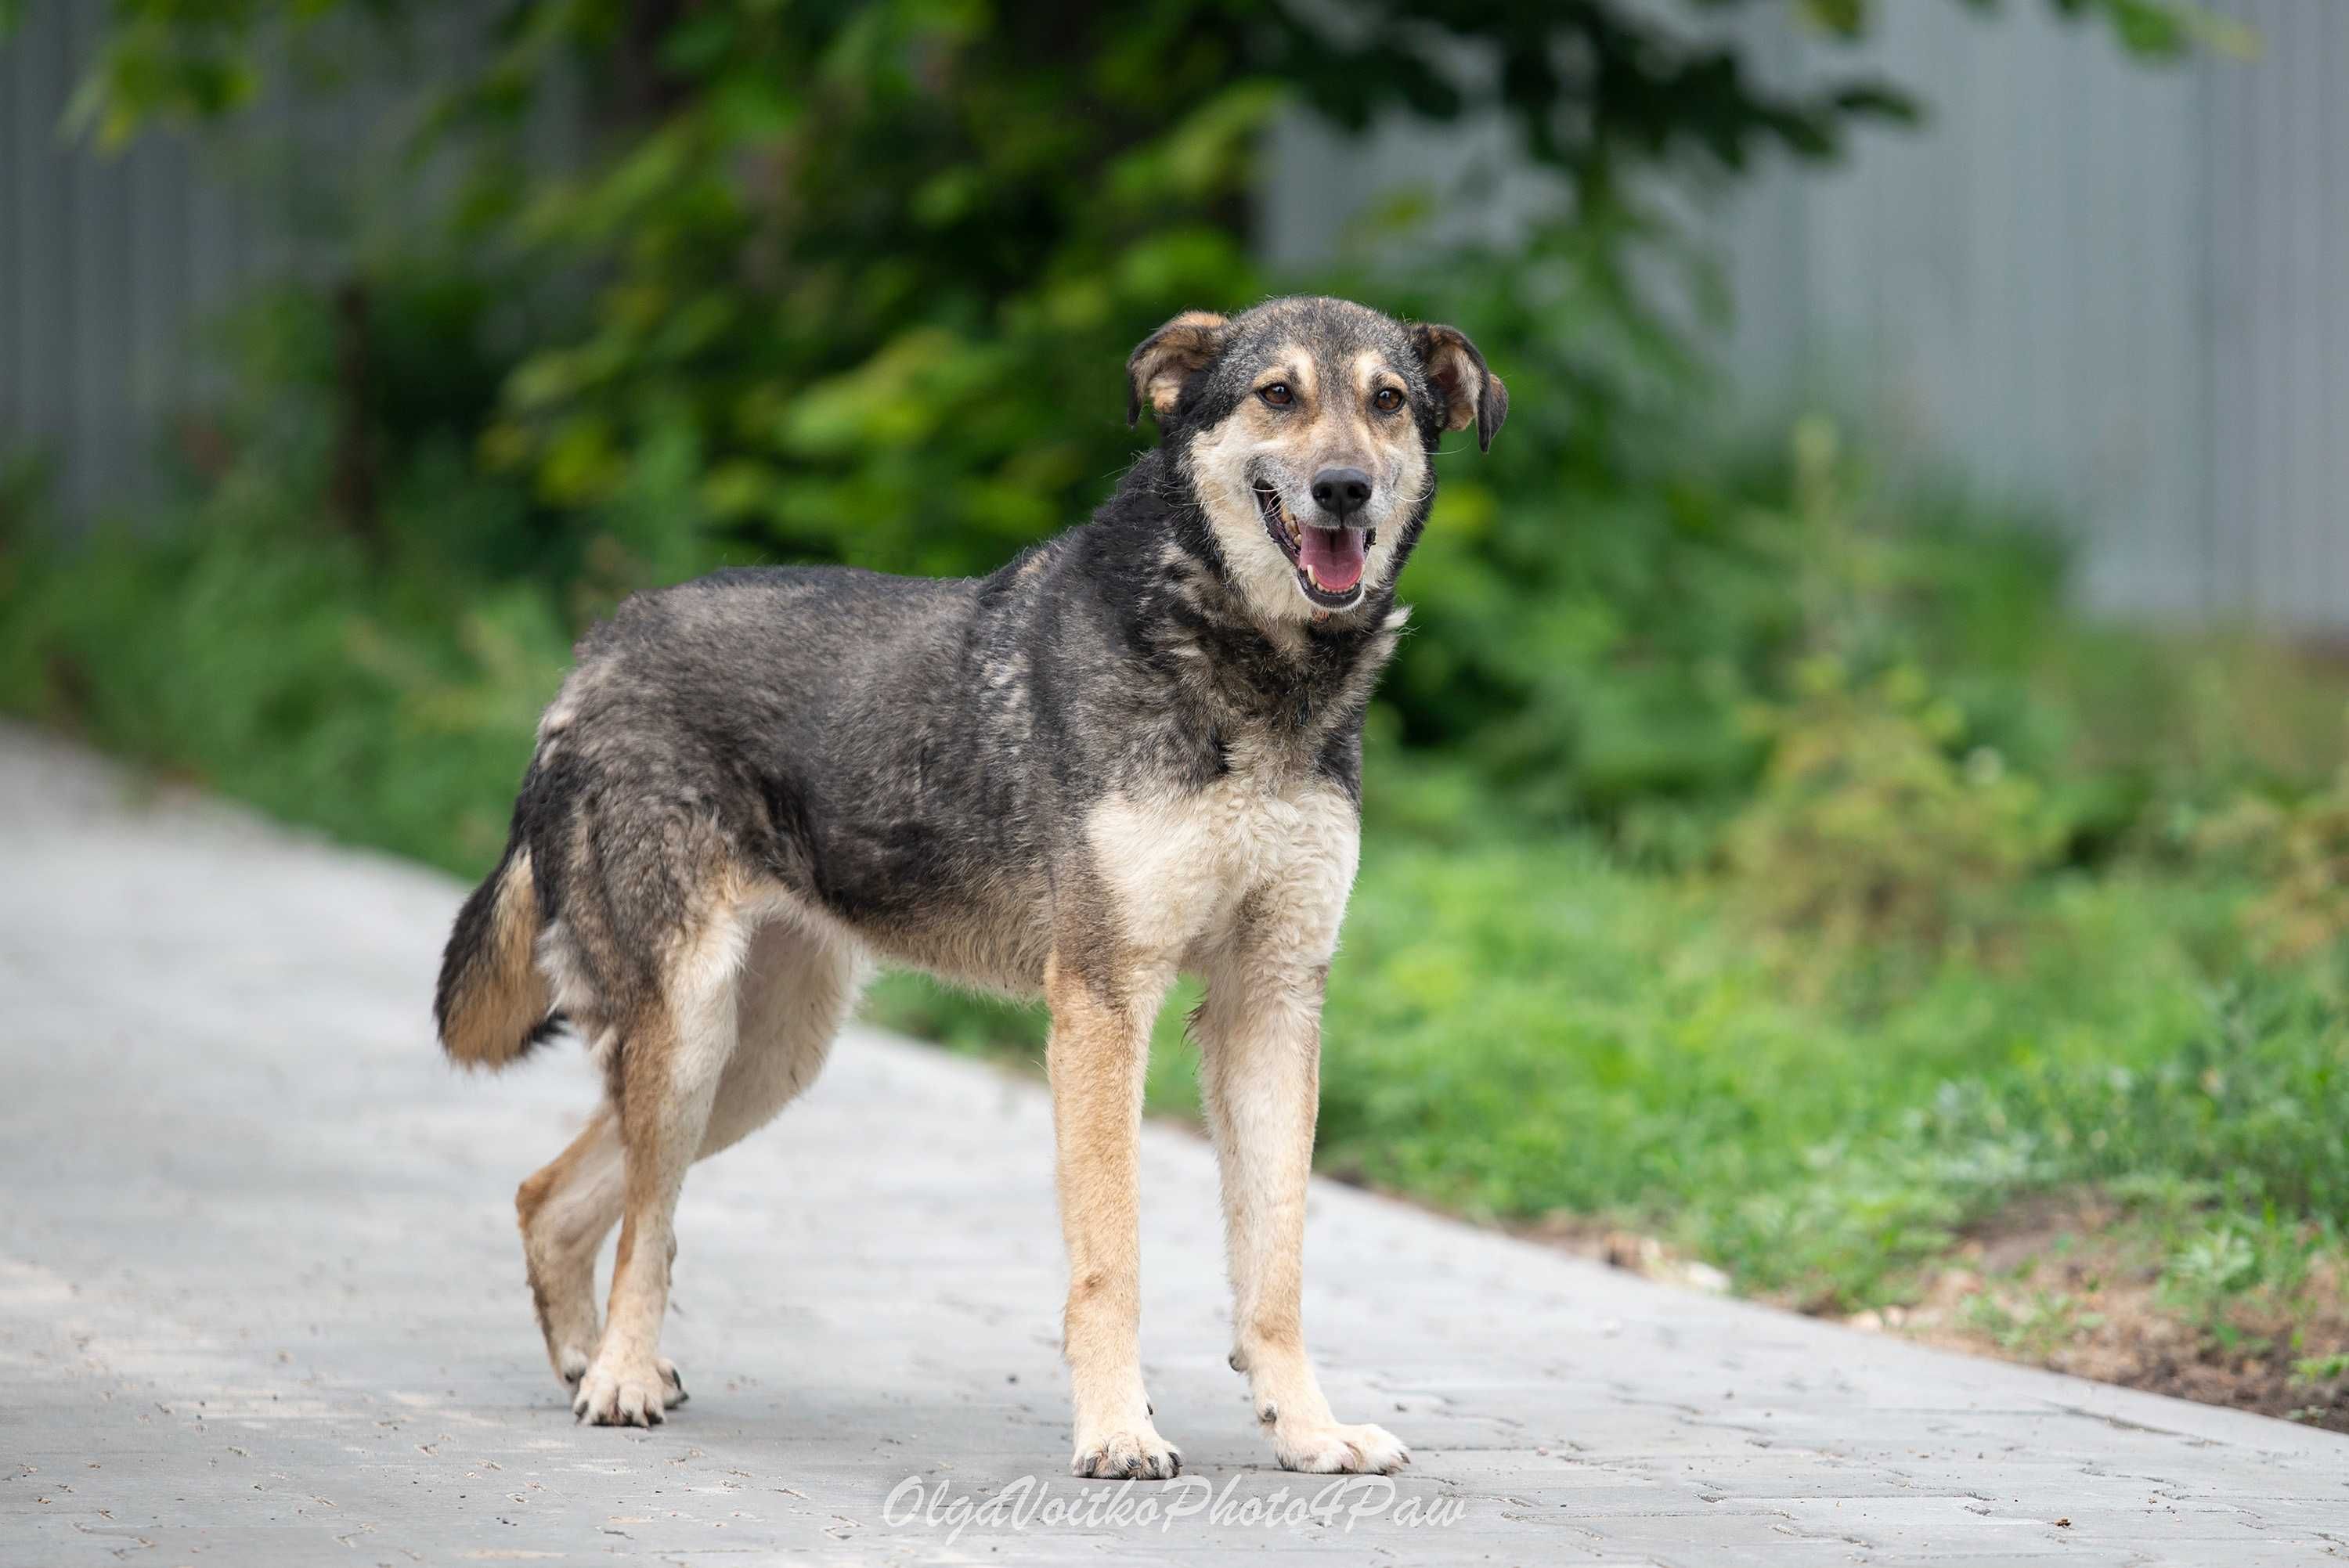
[[673, 1392], [1337, 1449], [622, 1395], [1137, 1453], [571, 1364]]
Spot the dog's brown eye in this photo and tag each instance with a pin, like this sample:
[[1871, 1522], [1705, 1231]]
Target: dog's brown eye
[[1279, 395], [1386, 399]]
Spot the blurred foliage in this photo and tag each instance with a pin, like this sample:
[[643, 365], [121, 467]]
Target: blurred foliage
[[865, 270], [1880, 814], [387, 700], [852, 282], [1865, 826], [2299, 848]]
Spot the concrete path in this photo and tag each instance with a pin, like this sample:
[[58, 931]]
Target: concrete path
[[260, 1303]]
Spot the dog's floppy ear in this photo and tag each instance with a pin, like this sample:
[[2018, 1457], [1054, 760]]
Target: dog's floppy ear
[[1167, 359], [1472, 395]]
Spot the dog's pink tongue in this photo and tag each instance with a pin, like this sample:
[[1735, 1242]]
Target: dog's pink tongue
[[1334, 555]]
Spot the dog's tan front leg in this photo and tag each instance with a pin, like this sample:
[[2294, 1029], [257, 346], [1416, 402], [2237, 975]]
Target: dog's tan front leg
[[1099, 1050], [1261, 1043]]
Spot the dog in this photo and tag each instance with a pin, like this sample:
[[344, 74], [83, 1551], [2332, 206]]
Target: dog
[[1133, 751]]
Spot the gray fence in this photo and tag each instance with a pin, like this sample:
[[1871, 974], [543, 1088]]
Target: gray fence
[[2124, 290], [104, 265], [113, 267], [2117, 289]]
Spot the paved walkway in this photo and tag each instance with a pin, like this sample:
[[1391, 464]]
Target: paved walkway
[[260, 1303]]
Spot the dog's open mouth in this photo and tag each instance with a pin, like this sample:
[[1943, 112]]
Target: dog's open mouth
[[1329, 561]]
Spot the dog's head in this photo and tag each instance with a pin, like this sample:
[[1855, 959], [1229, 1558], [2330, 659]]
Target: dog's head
[[1305, 428]]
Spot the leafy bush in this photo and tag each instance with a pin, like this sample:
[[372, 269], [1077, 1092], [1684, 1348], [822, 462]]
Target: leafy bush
[[2300, 849], [853, 283], [1865, 826], [387, 699]]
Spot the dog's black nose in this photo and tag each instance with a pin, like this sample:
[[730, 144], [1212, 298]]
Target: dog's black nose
[[1342, 490]]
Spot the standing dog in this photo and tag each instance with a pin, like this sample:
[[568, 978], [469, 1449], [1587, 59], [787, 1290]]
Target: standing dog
[[1133, 751]]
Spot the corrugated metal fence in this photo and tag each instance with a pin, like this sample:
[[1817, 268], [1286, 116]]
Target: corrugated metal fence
[[2122, 289], [104, 266], [112, 267], [2115, 289]]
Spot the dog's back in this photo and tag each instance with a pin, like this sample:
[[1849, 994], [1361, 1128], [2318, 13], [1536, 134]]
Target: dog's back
[[844, 742]]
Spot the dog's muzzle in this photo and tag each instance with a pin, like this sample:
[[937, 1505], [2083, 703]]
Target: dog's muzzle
[[1328, 562]]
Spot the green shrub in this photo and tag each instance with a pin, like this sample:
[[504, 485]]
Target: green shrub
[[1865, 827], [2299, 849], [389, 702]]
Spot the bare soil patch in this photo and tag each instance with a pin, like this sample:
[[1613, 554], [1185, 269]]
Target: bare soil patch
[[2080, 1283]]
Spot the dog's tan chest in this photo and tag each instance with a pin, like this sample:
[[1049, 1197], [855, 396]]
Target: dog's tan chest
[[1186, 868]]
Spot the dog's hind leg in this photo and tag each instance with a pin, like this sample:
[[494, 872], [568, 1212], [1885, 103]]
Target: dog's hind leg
[[566, 1209], [673, 1055], [796, 991]]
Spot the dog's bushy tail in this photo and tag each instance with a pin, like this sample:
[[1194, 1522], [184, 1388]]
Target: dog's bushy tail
[[494, 1004]]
